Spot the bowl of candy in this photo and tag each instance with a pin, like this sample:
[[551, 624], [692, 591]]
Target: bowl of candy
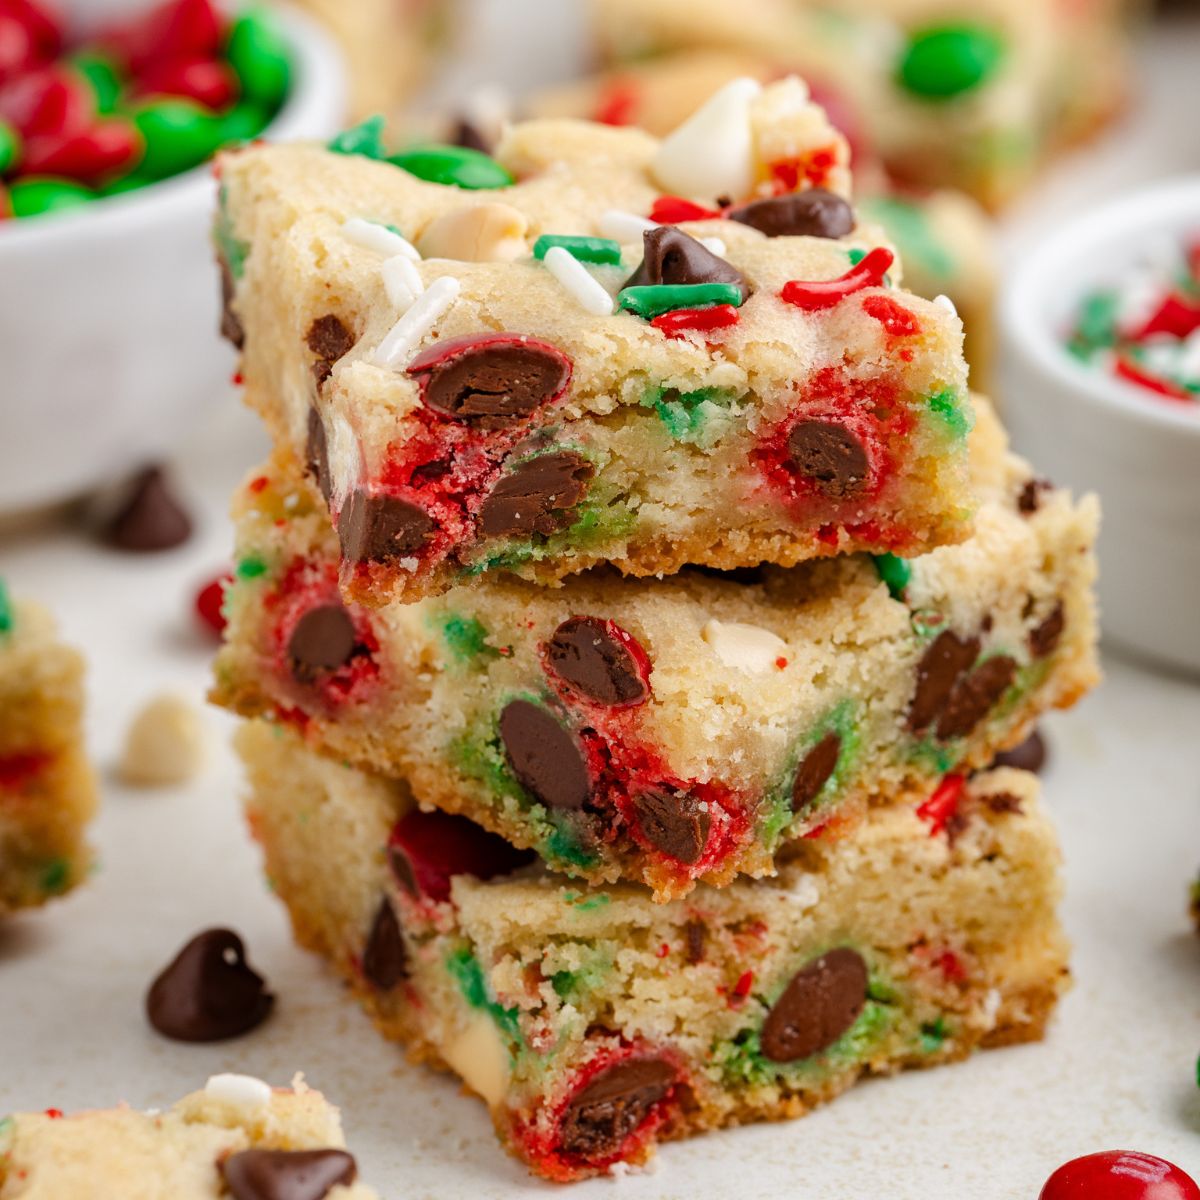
[[109, 296], [1101, 374]]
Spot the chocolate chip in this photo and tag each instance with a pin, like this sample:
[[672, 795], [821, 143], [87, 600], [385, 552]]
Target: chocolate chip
[[746, 576], [592, 657], [231, 325], [814, 213], [376, 528], [324, 640], [822, 1001], [538, 495], [329, 339], [467, 135], [316, 452], [673, 822], [831, 456], [1044, 639], [150, 518], [384, 959], [973, 696], [612, 1106], [1030, 755], [499, 381], [814, 771], [1029, 500], [287, 1174], [947, 657], [671, 257], [544, 756], [1003, 802], [208, 992], [695, 934]]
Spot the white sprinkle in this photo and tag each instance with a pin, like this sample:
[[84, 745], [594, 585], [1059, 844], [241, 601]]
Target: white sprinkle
[[623, 226], [418, 321], [401, 281], [991, 1007], [242, 1091], [944, 301], [373, 236], [745, 647], [715, 245], [579, 281]]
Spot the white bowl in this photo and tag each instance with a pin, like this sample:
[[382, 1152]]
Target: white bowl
[[108, 313], [1095, 432]]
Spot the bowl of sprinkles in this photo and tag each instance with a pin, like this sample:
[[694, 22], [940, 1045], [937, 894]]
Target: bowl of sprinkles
[[106, 195], [1101, 384]]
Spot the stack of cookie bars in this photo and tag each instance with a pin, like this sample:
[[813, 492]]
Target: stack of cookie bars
[[627, 619]]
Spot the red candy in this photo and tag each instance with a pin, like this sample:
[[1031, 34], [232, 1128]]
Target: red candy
[[50, 100], [825, 293], [943, 804], [682, 320], [1119, 1175], [204, 80], [670, 210], [175, 30], [93, 157], [17, 50], [209, 601]]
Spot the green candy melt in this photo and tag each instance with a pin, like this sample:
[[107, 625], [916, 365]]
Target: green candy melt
[[945, 61], [586, 249], [896, 572], [179, 135], [6, 610], [10, 146], [32, 197], [258, 53], [453, 166], [652, 300], [364, 139]]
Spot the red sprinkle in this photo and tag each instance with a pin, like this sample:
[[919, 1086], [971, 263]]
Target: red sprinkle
[[745, 982], [943, 804], [210, 599], [1126, 368], [951, 966], [257, 485], [670, 210], [55, 1114], [895, 318], [237, 379], [825, 293], [781, 662], [675, 324], [664, 950], [1174, 316], [617, 103]]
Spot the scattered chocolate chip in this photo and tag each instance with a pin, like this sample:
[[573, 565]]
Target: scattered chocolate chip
[[231, 325], [467, 135], [673, 822], [814, 771], [208, 992], [316, 452], [612, 1106], [973, 696], [822, 1001], [695, 935], [150, 518], [595, 658], [1003, 802], [544, 756], [384, 959], [329, 339], [814, 213], [947, 657], [324, 640], [831, 456], [287, 1174], [1030, 498], [671, 257], [1044, 639], [376, 528], [1030, 755], [538, 495]]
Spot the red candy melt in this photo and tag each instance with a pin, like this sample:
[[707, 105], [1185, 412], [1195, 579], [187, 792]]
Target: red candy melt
[[943, 804], [670, 210], [1119, 1175], [683, 320], [897, 320], [825, 293]]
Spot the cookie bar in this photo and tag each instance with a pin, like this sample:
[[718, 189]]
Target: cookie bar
[[971, 96], [47, 789], [673, 730], [236, 1138], [595, 1023], [555, 384]]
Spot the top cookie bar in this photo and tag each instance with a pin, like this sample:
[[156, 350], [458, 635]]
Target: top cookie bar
[[595, 347]]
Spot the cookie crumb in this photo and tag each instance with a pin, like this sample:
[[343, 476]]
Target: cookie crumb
[[167, 744]]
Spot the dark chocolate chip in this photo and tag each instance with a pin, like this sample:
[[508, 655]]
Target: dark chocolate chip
[[973, 696], [467, 135], [329, 339], [1003, 802], [384, 959], [1029, 500], [231, 325], [814, 213], [317, 454], [614, 1104], [1030, 755], [947, 657], [502, 381], [324, 640], [695, 934], [588, 654], [1044, 639], [150, 518], [538, 495], [376, 528], [287, 1174], [544, 756], [208, 992], [671, 257], [831, 456], [814, 771], [673, 822], [822, 1001]]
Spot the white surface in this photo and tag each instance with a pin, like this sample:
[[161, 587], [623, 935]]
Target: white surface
[[1116, 1071]]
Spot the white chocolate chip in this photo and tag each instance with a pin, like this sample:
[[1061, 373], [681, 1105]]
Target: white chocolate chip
[[401, 281], [480, 1058], [623, 226], [579, 281], [373, 236], [482, 233], [714, 245], [746, 647], [239, 1091], [944, 301], [712, 152], [166, 744], [428, 307]]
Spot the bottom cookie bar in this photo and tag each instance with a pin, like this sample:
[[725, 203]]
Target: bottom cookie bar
[[595, 1022], [237, 1138]]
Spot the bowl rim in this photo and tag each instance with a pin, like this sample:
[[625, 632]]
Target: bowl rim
[[318, 73], [1040, 267]]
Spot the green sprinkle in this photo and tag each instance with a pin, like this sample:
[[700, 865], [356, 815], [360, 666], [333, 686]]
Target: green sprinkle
[[652, 300], [55, 876], [101, 75], [178, 134], [251, 567], [467, 638], [955, 417], [933, 1034], [586, 249], [7, 617], [10, 146], [465, 968], [946, 61], [258, 53], [563, 983], [856, 256], [364, 139], [453, 166], [896, 572], [685, 414], [1096, 327], [32, 197], [587, 901]]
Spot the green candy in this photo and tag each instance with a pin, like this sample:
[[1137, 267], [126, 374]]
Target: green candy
[[364, 139], [896, 572], [179, 135], [652, 300], [454, 166], [10, 146], [586, 249], [127, 183], [243, 122], [35, 196], [102, 78], [948, 60], [6, 610], [251, 567], [258, 53]]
